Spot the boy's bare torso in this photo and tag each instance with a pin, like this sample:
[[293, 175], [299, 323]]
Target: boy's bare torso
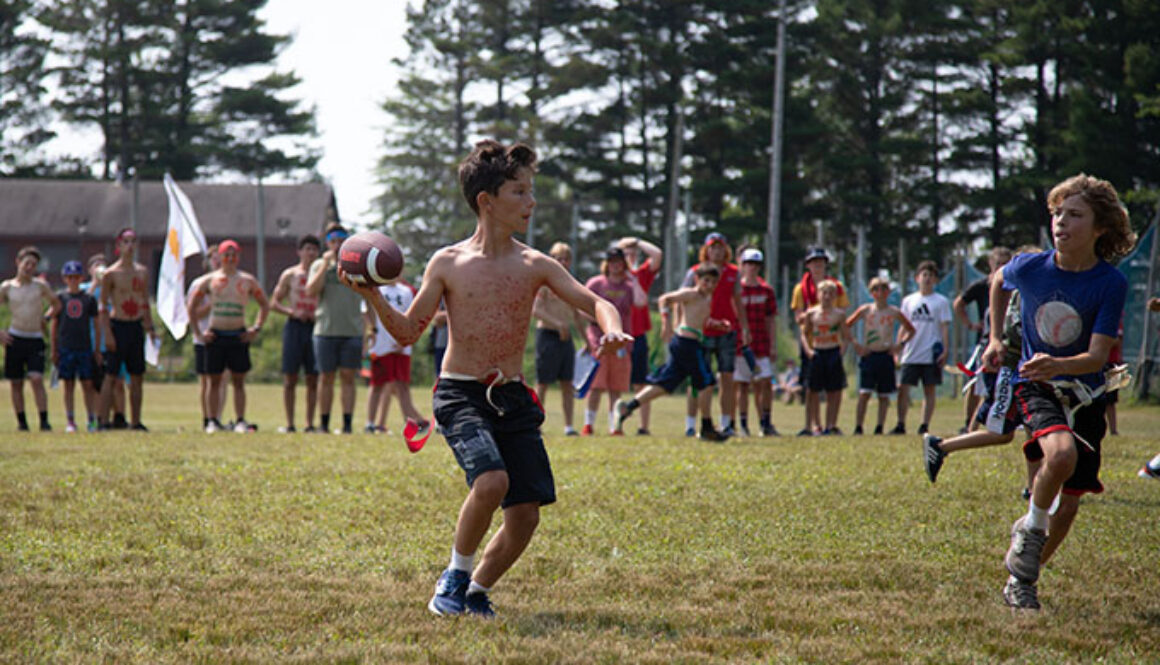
[[301, 303], [124, 287], [693, 312], [827, 326], [27, 303], [489, 304], [879, 331], [228, 294]]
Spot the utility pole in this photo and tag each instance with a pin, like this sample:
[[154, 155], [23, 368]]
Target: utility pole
[[773, 222]]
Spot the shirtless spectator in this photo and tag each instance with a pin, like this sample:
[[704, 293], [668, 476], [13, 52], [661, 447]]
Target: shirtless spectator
[[555, 355], [125, 320], [876, 351], [29, 300], [290, 298], [824, 335], [227, 343]]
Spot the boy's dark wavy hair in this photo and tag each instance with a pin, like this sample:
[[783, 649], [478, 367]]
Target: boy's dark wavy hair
[[1117, 239], [490, 165]]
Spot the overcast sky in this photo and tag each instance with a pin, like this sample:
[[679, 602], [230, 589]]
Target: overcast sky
[[342, 50]]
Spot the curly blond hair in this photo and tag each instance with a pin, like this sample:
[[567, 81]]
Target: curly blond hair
[[1117, 239]]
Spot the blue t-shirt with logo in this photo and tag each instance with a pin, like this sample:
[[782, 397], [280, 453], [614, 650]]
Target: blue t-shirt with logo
[[1061, 309]]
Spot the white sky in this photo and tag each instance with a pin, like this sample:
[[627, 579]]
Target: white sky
[[342, 51]]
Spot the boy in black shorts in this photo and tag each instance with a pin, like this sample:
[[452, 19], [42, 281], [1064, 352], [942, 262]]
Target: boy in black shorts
[[1072, 304], [490, 418], [824, 335]]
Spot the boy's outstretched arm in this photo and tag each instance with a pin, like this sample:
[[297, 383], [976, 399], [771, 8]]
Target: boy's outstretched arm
[[406, 327], [577, 295]]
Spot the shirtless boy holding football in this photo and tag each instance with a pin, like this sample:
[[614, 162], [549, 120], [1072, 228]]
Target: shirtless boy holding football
[[490, 418]]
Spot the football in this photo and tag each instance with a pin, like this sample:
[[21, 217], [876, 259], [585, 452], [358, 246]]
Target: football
[[370, 258]]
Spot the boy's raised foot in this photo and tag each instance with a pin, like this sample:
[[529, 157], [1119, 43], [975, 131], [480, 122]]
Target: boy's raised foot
[[932, 456], [450, 593]]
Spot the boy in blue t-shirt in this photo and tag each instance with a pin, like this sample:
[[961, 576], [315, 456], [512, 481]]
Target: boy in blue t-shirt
[[72, 347], [1072, 302]]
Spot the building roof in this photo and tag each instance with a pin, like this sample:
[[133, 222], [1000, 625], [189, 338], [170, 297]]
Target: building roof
[[45, 207]]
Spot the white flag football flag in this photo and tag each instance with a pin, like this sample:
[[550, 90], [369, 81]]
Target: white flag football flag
[[182, 238]]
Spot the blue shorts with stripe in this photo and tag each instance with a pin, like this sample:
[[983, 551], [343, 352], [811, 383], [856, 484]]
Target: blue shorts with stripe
[[686, 359]]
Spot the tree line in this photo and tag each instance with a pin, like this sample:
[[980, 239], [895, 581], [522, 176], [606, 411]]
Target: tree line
[[185, 86], [941, 123]]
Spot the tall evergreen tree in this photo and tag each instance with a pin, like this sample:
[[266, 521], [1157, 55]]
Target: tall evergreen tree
[[23, 107]]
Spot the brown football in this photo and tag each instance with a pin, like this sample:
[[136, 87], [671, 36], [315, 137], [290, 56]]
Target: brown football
[[370, 258]]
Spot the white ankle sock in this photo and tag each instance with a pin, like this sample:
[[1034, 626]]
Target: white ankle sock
[[611, 421], [690, 422], [589, 417], [1036, 517], [726, 421], [463, 562], [1155, 464], [474, 587]]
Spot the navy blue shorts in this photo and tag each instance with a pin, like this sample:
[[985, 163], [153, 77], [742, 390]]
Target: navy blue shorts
[[640, 359], [686, 359], [826, 371], [929, 373], [75, 364], [298, 348], [555, 358], [24, 356], [227, 351], [130, 339], [1041, 413], [876, 373], [483, 440], [723, 348]]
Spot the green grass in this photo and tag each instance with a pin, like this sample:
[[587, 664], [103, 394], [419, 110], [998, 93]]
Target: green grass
[[177, 547]]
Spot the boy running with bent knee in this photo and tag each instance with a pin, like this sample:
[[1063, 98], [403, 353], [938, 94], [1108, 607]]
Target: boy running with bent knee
[[490, 418]]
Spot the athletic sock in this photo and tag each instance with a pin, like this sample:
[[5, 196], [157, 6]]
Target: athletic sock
[[589, 417], [744, 422], [71, 418], [347, 421], [21, 420], [1036, 517], [44, 418], [1154, 465], [611, 420], [690, 422], [324, 419], [726, 421], [476, 587], [706, 424], [765, 421], [463, 562], [632, 404]]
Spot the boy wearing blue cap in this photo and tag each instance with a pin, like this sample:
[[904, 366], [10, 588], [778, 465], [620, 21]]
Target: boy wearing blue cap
[[72, 343]]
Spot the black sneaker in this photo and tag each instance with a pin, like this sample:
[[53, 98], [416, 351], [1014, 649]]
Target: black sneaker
[[923, 429], [878, 430], [713, 436], [932, 456], [769, 430], [139, 428], [899, 429], [45, 427], [805, 431], [478, 604], [745, 432], [641, 431], [857, 430]]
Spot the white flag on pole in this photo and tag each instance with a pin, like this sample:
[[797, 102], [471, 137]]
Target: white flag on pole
[[183, 238]]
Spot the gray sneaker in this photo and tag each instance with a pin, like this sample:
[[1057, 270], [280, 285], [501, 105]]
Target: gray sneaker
[[1020, 595], [1025, 552]]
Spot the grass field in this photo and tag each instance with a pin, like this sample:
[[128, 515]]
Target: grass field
[[177, 547]]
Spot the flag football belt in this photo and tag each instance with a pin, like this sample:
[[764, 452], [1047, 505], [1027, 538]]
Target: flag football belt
[[494, 378], [1075, 395]]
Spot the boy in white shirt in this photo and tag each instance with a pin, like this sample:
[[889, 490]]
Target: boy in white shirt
[[391, 366], [925, 352]]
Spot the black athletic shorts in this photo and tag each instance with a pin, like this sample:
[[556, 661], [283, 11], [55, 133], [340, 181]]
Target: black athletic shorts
[[686, 360], [876, 373], [826, 371], [501, 435], [24, 356], [1042, 413], [555, 358], [929, 373], [640, 359], [298, 348], [723, 348], [130, 339], [227, 351]]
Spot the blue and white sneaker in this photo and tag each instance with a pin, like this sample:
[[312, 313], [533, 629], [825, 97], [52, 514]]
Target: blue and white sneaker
[[478, 604], [450, 593]]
